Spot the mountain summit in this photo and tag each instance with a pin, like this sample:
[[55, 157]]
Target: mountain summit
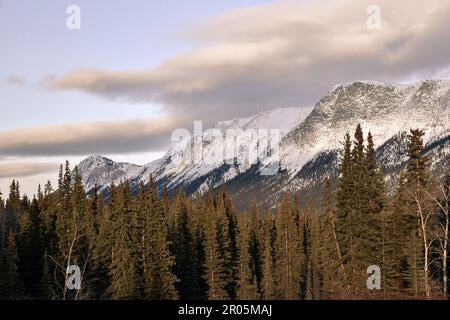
[[310, 139]]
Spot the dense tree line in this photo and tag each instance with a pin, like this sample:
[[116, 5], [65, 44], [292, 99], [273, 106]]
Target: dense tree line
[[160, 246]]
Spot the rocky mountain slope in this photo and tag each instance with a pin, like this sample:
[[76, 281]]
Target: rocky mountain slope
[[309, 148]]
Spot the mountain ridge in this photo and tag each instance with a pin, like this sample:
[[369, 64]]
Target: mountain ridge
[[310, 140]]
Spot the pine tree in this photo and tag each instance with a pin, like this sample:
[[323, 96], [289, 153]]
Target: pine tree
[[269, 283], [2, 227], [417, 177], [227, 231], [376, 214], [184, 249], [13, 207], [361, 215], [199, 222], [248, 284], [345, 216], [48, 206], [46, 291], [158, 260], [30, 248], [103, 249], [312, 256], [287, 252], [84, 226], [332, 264], [215, 273], [123, 268], [254, 245], [10, 284]]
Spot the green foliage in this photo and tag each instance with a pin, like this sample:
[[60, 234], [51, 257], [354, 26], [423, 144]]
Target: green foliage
[[149, 244]]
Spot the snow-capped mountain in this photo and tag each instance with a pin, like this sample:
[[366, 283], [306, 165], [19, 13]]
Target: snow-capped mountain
[[101, 171], [382, 109], [310, 139], [180, 167]]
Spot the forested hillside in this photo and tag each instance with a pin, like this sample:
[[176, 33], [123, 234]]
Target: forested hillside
[[161, 245]]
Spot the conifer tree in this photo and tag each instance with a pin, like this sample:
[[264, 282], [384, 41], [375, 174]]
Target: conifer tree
[[158, 260], [123, 268], [46, 291], [417, 177], [13, 207], [103, 249], [199, 222], [248, 284], [361, 215], [345, 216], [215, 273], [230, 237], [30, 248], [84, 222], [10, 284], [269, 283], [332, 264], [254, 245], [2, 227], [287, 253], [376, 214], [184, 249], [48, 206]]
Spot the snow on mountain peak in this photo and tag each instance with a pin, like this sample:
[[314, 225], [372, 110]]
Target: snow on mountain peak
[[102, 171], [383, 109], [283, 119]]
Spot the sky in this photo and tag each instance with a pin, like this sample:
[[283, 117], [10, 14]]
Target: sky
[[137, 70]]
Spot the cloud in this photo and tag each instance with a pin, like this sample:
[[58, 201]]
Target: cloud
[[16, 80], [283, 54], [18, 170], [90, 138]]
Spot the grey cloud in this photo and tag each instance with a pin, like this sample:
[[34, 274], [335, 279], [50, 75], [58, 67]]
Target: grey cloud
[[16, 80], [88, 138], [284, 54], [18, 170]]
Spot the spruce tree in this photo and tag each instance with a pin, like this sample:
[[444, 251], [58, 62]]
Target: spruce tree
[[2, 227], [269, 283], [46, 291], [215, 273], [417, 180], [158, 260], [184, 249], [345, 215], [255, 245], [376, 214], [103, 249], [287, 252], [11, 287], [123, 268], [313, 256], [332, 264], [248, 284], [30, 248], [227, 231]]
